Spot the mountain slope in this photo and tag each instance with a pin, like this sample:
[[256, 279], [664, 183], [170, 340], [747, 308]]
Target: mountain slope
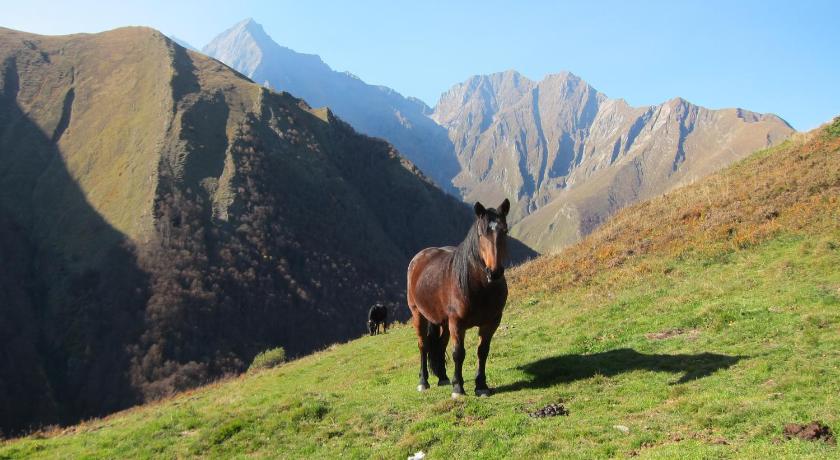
[[694, 325], [560, 141], [374, 110], [165, 219]]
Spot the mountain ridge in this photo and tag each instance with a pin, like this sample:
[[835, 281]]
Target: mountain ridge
[[510, 136], [375, 110], [540, 140]]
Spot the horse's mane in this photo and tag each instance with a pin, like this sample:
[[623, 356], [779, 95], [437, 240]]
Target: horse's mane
[[466, 255]]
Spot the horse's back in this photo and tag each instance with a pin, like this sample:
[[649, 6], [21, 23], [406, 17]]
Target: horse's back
[[426, 271], [430, 252], [426, 256]]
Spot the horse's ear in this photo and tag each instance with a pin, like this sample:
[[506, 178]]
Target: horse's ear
[[504, 207], [479, 209]]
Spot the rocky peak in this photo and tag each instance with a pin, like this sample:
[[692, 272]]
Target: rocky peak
[[374, 110], [537, 142]]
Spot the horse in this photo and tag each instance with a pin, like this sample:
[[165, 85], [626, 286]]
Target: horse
[[452, 289], [377, 315]]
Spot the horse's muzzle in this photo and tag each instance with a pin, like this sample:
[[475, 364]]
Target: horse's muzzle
[[494, 275]]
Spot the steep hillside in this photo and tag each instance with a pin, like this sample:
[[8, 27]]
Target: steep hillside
[[572, 156], [375, 110], [164, 219], [694, 325]]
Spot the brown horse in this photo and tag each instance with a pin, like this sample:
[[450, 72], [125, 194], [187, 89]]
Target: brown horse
[[452, 289]]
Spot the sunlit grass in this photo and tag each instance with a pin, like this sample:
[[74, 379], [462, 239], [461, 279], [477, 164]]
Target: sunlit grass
[[702, 341], [759, 349]]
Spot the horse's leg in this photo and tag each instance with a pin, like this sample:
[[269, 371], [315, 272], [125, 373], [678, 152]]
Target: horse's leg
[[420, 325], [456, 332], [485, 335], [443, 342]]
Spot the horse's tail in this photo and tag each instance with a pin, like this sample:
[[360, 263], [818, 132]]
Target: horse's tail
[[437, 350]]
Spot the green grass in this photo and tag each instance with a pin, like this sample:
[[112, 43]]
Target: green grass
[[833, 129], [760, 348], [268, 359]]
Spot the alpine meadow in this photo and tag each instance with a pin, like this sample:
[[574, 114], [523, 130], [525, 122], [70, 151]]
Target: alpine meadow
[[243, 250]]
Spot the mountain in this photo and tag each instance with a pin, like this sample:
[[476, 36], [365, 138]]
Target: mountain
[[694, 325], [374, 110], [571, 156], [164, 219], [568, 155]]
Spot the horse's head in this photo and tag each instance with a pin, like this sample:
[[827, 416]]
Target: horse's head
[[492, 238]]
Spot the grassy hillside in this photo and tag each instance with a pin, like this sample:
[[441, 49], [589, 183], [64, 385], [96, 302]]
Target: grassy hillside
[[165, 219], [701, 321]]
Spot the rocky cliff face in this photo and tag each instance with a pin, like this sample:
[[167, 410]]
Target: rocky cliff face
[[164, 219], [374, 110], [569, 156]]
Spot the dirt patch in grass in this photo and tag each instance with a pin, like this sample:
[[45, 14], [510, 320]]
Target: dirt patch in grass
[[814, 431]]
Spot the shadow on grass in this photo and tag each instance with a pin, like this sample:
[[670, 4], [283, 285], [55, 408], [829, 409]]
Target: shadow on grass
[[551, 371]]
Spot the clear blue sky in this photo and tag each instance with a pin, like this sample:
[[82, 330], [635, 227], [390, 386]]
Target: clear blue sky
[[767, 56]]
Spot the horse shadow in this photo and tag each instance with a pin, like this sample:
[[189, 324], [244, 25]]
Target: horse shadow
[[554, 370]]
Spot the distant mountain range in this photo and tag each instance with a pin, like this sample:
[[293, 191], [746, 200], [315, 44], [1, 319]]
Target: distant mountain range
[[374, 110], [571, 156], [163, 219], [565, 154]]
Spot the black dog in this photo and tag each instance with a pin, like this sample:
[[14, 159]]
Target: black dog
[[377, 315]]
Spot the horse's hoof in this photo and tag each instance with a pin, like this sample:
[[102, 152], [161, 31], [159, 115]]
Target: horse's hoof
[[482, 393], [444, 382], [457, 390], [422, 388]]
